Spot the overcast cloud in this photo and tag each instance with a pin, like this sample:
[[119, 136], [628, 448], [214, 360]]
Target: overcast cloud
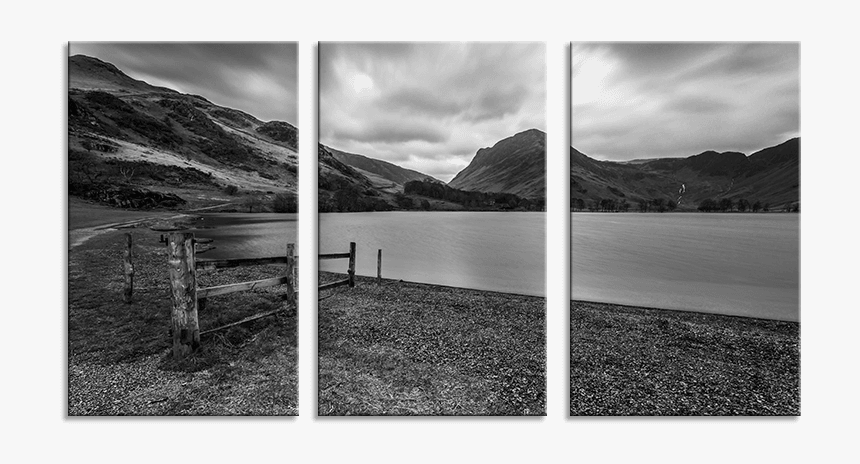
[[257, 78], [650, 100], [429, 106]]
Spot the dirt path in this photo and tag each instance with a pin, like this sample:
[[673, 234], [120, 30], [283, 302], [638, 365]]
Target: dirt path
[[80, 235]]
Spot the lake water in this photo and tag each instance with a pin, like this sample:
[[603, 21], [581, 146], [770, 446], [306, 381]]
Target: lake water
[[247, 235], [739, 264], [484, 250]]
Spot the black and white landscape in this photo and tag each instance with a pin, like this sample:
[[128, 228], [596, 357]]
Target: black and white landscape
[[432, 161], [174, 140], [685, 200]]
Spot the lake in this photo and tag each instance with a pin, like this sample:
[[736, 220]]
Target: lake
[[247, 235], [483, 250], [738, 264]]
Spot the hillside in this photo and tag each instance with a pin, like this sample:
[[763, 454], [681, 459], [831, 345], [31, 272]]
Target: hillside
[[514, 165], [343, 188], [770, 176], [384, 175], [509, 176], [128, 136]]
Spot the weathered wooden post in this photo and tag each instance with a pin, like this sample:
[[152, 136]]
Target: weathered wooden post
[[379, 267], [183, 285], [351, 270], [128, 268], [291, 273]]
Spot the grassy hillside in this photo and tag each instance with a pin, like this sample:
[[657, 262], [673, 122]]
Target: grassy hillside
[[383, 174], [131, 139]]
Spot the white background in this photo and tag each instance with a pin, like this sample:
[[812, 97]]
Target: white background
[[34, 54]]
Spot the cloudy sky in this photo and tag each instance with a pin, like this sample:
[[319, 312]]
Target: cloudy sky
[[258, 78], [429, 106], [641, 100]]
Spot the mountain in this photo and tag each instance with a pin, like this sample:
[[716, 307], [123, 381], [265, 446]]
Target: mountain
[[124, 132], [86, 72], [383, 174], [509, 176], [514, 165], [771, 175]]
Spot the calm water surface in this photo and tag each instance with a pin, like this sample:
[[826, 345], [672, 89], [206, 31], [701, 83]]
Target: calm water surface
[[484, 250], [740, 264], [244, 235]]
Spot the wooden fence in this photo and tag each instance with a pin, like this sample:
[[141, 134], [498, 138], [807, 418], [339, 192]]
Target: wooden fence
[[350, 280], [188, 299]]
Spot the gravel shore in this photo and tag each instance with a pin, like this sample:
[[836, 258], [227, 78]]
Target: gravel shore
[[638, 361], [405, 348]]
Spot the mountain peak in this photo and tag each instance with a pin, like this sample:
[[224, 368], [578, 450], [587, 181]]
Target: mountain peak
[[531, 132], [84, 61], [515, 164], [89, 73]]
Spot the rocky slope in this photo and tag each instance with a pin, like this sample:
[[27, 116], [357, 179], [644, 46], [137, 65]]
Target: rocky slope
[[514, 165], [125, 131]]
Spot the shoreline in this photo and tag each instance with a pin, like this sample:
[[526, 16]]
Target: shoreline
[[683, 311]]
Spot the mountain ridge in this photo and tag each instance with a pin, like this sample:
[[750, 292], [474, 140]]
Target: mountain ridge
[[770, 175], [385, 170]]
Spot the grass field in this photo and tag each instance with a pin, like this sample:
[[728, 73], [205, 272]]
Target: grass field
[[637, 361], [415, 349], [119, 360]]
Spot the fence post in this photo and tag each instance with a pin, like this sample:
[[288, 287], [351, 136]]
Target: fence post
[[379, 267], [183, 285], [351, 270], [128, 268], [291, 273]]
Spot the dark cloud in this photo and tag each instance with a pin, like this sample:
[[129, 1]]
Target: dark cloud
[[258, 78], [646, 100], [429, 106]]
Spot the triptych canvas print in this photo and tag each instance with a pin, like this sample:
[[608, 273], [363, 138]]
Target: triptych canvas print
[[432, 210]]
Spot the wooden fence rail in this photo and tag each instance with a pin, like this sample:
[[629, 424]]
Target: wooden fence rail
[[211, 264], [350, 280], [188, 299]]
